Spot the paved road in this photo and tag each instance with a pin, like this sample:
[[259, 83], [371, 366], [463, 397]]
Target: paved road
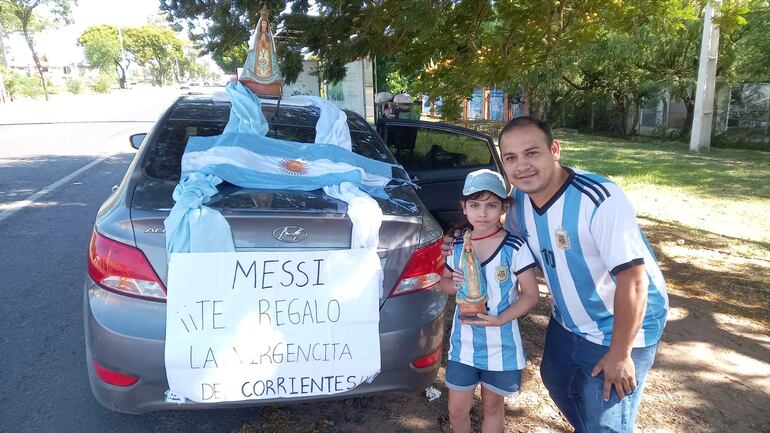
[[46, 217]]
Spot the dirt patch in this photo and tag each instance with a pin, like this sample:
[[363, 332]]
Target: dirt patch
[[712, 371]]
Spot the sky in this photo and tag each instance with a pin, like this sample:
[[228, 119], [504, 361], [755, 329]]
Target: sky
[[60, 45]]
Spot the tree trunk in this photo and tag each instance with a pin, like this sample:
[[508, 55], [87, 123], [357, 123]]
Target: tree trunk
[[689, 105], [526, 102], [161, 76], [31, 45], [635, 123], [2, 86], [121, 75], [620, 101]]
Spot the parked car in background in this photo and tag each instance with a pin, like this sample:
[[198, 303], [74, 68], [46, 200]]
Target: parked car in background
[[125, 289]]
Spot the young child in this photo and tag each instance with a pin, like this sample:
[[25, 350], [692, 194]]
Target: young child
[[488, 349]]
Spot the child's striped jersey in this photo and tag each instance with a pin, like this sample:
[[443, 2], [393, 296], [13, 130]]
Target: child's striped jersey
[[493, 348]]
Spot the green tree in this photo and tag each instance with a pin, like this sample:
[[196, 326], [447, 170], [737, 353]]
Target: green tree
[[103, 48], [25, 17], [103, 84], [540, 49], [670, 53], [449, 47], [189, 68], [628, 65], [397, 82], [155, 47], [752, 45], [230, 58]]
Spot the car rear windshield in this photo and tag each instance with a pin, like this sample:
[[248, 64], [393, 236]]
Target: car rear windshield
[[206, 117]]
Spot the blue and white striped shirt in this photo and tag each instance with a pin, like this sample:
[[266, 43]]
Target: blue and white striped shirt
[[493, 348], [582, 238]]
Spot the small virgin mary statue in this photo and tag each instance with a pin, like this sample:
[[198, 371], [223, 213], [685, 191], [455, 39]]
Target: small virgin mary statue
[[261, 73]]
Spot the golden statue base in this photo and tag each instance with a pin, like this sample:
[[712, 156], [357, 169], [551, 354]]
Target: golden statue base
[[270, 90], [471, 311]]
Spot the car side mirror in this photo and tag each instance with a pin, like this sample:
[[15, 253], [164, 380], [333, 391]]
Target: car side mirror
[[137, 139]]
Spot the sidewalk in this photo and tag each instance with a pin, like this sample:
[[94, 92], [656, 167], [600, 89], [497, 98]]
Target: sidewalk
[[90, 107]]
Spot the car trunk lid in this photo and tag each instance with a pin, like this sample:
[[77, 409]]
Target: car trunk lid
[[277, 220]]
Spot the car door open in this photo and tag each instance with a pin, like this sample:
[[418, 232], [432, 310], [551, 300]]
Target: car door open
[[437, 158]]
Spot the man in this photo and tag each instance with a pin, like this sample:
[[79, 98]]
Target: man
[[609, 300]]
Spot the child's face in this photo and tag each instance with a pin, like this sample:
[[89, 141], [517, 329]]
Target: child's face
[[484, 212]]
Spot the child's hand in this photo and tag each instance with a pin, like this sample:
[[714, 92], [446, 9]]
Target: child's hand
[[484, 320]]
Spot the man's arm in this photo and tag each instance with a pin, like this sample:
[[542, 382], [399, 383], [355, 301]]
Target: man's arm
[[630, 305]]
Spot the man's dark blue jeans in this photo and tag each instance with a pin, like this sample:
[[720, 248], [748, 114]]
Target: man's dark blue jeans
[[566, 372]]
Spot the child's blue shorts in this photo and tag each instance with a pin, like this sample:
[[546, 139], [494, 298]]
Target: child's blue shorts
[[461, 377]]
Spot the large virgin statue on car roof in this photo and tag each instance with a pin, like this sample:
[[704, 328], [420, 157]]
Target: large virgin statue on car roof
[[261, 73]]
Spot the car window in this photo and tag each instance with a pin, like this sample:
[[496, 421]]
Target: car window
[[164, 157], [424, 148]]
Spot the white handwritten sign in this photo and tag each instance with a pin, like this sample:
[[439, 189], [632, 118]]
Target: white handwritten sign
[[262, 325]]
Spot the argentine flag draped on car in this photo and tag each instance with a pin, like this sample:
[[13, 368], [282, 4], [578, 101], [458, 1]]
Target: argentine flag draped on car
[[244, 156], [241, 323]]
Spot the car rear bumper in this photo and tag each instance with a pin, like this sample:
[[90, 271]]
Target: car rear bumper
[[127, 335]]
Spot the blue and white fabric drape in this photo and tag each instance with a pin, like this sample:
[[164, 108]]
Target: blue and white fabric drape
[[245, 157]]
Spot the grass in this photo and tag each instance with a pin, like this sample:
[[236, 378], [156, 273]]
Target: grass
[[475, 151], [706, 214], [734, 173]]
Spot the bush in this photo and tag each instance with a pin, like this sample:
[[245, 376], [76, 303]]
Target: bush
[[103, 84], [743, 138], [17, 85], [74, 86]]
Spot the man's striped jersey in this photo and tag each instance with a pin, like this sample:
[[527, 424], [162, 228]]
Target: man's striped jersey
[[584, 236], [493, 348]]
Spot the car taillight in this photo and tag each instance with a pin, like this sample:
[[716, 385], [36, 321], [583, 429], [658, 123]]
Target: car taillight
[[427, 361], [123, 269], [113, 377], [423, 271]]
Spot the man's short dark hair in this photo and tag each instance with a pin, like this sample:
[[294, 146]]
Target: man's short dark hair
[[521, 122]]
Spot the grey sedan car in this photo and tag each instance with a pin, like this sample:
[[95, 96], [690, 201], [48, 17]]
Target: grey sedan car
[[125, 290]]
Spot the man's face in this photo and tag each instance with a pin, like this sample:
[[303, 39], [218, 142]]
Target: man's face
[[530, 162]]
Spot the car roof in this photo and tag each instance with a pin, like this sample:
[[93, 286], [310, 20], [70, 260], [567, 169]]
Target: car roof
[[289, 111]]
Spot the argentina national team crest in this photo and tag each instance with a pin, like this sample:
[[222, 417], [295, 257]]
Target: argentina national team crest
[[562, 238], [501, 272]]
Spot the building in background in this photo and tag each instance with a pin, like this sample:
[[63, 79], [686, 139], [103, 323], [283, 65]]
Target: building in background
[[742, 113]]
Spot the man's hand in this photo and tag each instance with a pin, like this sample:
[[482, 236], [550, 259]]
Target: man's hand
[[451, 283], [619, 371], [630, 304], [457, 280], [446, 247], [449, 242]]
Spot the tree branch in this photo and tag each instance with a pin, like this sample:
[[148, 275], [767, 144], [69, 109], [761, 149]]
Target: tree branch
[[575, 85]]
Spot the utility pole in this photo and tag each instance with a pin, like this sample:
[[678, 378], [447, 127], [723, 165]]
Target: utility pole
[[700, 138]]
